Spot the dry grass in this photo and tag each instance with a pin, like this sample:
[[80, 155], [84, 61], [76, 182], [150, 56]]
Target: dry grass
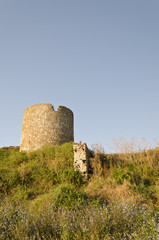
[[108, 189], [129, 175]]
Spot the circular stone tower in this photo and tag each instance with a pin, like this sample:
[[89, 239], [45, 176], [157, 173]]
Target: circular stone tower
[[42, 125]]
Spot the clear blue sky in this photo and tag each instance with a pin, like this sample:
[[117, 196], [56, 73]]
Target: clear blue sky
[[99, 58]]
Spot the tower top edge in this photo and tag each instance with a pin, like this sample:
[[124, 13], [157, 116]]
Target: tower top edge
[[49, 105]]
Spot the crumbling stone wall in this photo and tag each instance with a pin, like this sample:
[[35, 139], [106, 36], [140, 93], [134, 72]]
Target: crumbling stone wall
[[42, 125], [81, 158]]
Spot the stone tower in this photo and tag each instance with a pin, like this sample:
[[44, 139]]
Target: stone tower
[[42, 125]]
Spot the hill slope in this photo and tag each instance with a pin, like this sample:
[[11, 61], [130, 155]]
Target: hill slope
[[42, 197]]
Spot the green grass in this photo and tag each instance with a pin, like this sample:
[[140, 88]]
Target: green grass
[[42, 197]]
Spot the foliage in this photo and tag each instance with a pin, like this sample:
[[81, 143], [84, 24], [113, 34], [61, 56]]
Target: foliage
[[68, 196], [38, 171], [120, 174], [139, 169], [113, 221], [69, 175], [42, 197]]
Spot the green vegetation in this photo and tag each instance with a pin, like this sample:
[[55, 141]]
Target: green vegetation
[[42, 197]]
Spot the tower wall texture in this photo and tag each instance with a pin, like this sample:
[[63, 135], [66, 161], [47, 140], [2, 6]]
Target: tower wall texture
[[42, 125], [81, 158]]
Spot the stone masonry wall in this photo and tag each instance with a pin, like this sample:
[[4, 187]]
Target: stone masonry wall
[[42, 125], [81, 158]]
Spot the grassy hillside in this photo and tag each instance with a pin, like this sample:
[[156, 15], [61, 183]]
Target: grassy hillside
[[42, 197]]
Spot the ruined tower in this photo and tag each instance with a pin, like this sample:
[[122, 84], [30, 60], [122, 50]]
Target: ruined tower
[[42, 125], [81, 158]]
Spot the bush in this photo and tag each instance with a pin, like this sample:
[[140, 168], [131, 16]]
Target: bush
[[43, 155], [9, 178], [69, 175], [146, 191], [68, 196], [16, 158], [40, 177], [22, 193], [120, 174]]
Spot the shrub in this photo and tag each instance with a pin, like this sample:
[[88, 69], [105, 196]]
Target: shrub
[[40, 177], [96, 165], [69, 175], [147, 191], [16, 158], [22, 193], [120, 174], [68, 196], [9, 178], [43, 155]]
